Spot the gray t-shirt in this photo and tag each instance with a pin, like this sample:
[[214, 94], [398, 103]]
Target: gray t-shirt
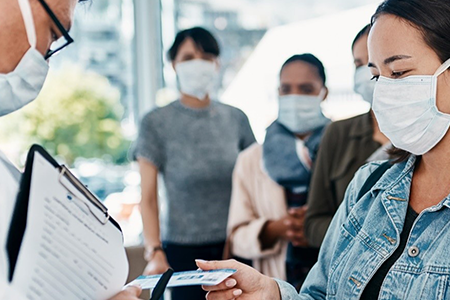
[[195, 150]]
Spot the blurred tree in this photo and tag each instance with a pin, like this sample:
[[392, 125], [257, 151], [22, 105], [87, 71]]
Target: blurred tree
[[77, 114]]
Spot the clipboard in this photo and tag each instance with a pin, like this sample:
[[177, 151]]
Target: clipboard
[[20, 213], [67, 181]]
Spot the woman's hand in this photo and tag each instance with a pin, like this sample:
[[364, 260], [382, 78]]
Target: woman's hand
[[129, 293], [157, 265], [245, 284], [296, 226]]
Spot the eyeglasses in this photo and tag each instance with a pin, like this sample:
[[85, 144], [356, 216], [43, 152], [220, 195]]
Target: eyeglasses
[[58, 46]]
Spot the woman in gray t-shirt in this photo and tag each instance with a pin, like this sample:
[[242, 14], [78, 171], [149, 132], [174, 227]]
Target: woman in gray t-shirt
[[193, 143]]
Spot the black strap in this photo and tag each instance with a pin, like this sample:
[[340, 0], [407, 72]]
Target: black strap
[[160, 287], [373, 178]]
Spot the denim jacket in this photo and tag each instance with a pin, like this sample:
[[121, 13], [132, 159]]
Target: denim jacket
[[365, 233]]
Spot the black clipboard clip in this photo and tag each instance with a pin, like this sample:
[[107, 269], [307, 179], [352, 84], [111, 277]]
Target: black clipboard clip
[[65, 173], [160, 287]]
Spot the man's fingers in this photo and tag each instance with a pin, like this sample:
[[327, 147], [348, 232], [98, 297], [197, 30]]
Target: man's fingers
[[226, 285], [224, 295]]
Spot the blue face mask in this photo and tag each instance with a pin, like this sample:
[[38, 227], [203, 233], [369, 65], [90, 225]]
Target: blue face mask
[[301, 113]]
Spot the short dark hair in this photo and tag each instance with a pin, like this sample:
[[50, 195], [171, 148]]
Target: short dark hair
[[202, 38], [310, 59], [363, 32], [431, 18]]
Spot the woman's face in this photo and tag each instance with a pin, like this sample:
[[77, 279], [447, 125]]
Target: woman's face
[[360, 53], [300, 78], [188, 50], [398, 50]]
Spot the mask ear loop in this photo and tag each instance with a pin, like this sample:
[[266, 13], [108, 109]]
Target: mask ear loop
[[442, 68], [28, 20]]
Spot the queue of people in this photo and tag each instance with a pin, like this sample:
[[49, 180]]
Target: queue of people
[[389, 236], [355, 209]]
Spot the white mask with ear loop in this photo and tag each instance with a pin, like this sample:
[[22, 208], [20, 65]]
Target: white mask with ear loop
[[407, 113], [301, 113], [197, 77], [363, 84], [21, 86]]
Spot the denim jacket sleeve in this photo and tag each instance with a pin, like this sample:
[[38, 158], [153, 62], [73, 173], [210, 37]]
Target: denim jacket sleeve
[[315, 286]]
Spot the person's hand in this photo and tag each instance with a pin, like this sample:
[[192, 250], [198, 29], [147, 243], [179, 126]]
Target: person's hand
[[295, 223], [245, 284], [129, 293], [157, 265]]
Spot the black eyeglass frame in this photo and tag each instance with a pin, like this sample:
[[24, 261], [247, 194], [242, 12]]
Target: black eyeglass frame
[[65, 34]]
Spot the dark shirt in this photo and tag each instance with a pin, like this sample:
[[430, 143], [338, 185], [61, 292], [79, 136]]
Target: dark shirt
[[372, 290]]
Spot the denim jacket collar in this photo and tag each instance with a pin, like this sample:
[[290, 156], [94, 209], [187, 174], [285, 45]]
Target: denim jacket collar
[[389, 183]]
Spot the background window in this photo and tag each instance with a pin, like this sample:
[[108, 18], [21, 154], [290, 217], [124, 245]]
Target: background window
[[117, 69]]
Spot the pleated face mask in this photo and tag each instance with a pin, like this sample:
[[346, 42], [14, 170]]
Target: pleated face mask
[[301, 113], [197, 77], [363, 85], [21, 86], [407, 113]]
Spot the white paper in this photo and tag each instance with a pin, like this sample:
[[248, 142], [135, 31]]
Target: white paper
[[190, 278], [66, 252]]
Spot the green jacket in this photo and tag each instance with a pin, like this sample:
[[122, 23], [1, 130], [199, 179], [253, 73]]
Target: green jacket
[[345, 147]]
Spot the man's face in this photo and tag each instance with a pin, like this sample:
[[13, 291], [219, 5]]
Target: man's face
[[13, 34]]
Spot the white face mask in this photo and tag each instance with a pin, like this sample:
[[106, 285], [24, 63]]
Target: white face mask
[[407, 113], [21, 86], [197, 78], [301, 113], [364, 86]]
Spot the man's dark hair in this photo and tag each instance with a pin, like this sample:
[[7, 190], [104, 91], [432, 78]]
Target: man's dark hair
[[310, 59], [202, 38], [365, 31], [430, 17]]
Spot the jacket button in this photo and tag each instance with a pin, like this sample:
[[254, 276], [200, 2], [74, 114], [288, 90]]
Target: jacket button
[[413, 251]]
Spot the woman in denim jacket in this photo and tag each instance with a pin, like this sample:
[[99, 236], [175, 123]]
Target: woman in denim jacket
[[391, 242]]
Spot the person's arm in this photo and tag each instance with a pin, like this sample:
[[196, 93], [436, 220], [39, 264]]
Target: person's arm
[[244, 224], [247, 135], [321, 200], [251, 236], [248, 284], [289, 228], [157, 261]]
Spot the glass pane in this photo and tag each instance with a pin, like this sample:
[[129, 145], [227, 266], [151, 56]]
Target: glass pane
[[84, 115]]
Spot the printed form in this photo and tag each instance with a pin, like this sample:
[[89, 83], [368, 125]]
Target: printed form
[[66, 253]]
